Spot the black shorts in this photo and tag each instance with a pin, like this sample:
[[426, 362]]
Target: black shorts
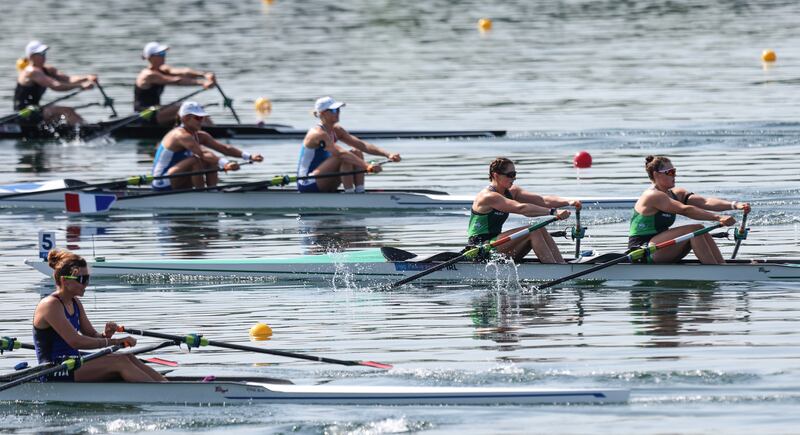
[[635, 242]]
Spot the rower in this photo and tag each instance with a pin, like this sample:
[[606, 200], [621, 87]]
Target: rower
[[655, 212], [37, 76], [61, 329], [320, 153], [501, 197], [182, 150], [151, 81]]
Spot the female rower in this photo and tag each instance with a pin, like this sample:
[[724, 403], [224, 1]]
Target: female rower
[[499, 199], [151, 81], [35, 78], [61, 328], [655, 212], [182, 150], [321, 154]]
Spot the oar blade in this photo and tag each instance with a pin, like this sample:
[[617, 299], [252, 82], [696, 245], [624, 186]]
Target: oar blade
[[376, 365], [161, 361]]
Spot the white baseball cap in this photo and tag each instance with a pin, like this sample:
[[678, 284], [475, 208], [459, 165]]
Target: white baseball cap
[[191, 108], [35, 47], [152, 48], [327, 103]]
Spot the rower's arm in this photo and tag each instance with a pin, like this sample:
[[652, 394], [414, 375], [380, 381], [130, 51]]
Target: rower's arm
[[186, 72], [501, 203], [664, 203], [315, 139], [716, 204], [43, 79], [363, 145], [53, 315], [227, 149], [156, 78]]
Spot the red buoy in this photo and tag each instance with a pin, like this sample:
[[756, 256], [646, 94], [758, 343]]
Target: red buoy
[[582, 160]]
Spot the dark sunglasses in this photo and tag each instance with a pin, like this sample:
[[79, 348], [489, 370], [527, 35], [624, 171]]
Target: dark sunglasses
[[510, 174], [82, 279], [334, 111], [160, 54], [669, 172]]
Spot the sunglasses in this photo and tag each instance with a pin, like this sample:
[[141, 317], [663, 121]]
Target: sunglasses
[[510, 174], [160, 54], [334, 111], [81, 279], [669, 172]]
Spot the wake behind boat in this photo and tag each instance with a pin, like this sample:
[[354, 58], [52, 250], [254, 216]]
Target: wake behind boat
[[237, 390], [20, 130], [50, 195], [385, 265]]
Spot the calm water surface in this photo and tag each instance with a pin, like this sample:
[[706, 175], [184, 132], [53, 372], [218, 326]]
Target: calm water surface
[[619, 79]]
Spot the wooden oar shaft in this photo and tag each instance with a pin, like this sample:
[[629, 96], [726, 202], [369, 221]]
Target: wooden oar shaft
[[632, 256], [474, 251], [68, 364], [206, 342]]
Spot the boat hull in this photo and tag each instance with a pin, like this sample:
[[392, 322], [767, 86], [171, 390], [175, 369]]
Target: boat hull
[[230, 393], [13, 130], [369, 266]]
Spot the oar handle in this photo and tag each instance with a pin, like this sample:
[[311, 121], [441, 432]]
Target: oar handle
[[197, 340]]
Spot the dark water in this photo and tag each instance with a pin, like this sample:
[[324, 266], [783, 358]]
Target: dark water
[[619, 79]]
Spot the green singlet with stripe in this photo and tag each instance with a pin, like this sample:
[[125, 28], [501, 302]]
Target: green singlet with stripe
[[652, 225], [484, 227]]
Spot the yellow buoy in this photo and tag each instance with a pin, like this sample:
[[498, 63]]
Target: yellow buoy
[[260, 331], [263, 107], [268, 2], [769, 56], [484, 24], [22, 63]]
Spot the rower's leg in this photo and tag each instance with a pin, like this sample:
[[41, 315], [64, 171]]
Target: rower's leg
[[329, 165], [516, 249], [545, 247], [168, 116], [57, 113], [707, 250], [211, 179], [672, 254], [154, 375], [186, 165], [112, 367], [358, 179]]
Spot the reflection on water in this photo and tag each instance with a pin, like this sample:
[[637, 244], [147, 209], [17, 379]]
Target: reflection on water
[[321, 234]]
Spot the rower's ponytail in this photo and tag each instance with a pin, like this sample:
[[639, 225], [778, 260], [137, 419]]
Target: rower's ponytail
[[654, 163], [64, 262]]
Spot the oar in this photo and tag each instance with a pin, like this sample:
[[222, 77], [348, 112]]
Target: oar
[[10, 343], [474, 251], [632, 256], [578, 233], [197, 340], [136, 180], [227, 102], [144, 114], [70, 364], [107, 102], [740, 234], [30, 110]]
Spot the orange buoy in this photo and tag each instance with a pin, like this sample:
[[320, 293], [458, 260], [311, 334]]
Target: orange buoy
[[484, 24], [769, 56], [260, 332], [582, 160]]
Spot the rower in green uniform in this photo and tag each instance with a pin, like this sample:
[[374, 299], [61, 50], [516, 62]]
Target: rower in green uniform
[[151, 81], [655, 212], [35, 77], [493, 205]]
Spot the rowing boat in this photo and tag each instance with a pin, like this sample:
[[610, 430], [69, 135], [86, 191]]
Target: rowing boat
[[389, 264], [229, 391], [16, 130], [262, 199]]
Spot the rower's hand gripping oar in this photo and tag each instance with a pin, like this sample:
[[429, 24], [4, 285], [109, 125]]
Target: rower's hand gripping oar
[[471, 253], [107, 101], [144, 114], [197, 340], [227, 102], [632, 256], [26, 112], [70, 364], [740, 234]]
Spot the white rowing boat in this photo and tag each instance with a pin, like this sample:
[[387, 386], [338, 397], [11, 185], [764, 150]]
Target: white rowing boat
[[386, 265], [38, 195], [228, 391]]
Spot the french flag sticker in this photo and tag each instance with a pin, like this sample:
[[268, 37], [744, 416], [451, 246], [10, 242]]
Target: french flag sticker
[[80, 202]]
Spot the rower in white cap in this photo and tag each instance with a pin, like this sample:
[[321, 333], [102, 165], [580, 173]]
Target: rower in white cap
[[37, 76], [151, 81], [320, 154], [183, 149]]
